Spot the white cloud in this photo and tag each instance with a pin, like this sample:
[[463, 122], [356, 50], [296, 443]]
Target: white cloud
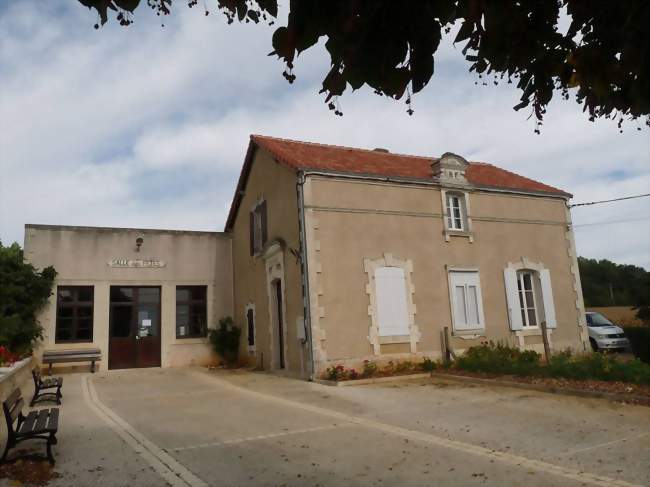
[[148, 127]]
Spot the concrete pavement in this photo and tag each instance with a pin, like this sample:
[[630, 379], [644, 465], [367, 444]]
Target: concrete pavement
[[191, 427]]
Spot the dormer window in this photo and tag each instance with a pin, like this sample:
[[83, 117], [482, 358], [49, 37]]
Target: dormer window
[[456, 213]]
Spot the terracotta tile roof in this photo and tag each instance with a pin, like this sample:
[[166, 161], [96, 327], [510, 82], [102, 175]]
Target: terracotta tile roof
[[307, 155], [331, 158]]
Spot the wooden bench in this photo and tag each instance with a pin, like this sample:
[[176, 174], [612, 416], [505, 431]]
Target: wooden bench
[[91, 355], [37, 425], [41, 384]]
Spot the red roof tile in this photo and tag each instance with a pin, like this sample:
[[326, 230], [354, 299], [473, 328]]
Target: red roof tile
[[307, 155]]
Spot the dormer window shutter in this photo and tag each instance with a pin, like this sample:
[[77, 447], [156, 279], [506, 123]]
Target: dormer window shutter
[[264, 222], [252, 232]]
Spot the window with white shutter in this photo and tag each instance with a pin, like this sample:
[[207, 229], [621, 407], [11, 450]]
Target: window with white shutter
[[391, 301], [529, 297], [466, 300]]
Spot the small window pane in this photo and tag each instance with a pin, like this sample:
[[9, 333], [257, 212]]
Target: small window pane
[[65, 295], [85, 312], [530, 303], [182, 294], [121, 294], [198, 293], [149, 295], [532, 320], [85, 294], [65, 312], [182, 314]]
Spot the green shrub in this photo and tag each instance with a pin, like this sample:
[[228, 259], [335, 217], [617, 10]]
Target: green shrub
[[428, 365], [24, 291], [639, 337], [597, 366], [225, 340], [370, 368], [497, 358]]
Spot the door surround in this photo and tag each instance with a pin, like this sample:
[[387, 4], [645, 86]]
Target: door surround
[[274, 265]]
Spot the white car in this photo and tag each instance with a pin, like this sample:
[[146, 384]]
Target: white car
[[605, 335]]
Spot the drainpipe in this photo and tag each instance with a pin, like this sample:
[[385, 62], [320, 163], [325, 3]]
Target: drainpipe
[[305, 271]]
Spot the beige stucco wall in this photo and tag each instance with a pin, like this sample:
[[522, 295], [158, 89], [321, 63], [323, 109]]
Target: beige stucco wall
[[349, 221], [80, 255], [275, 184]]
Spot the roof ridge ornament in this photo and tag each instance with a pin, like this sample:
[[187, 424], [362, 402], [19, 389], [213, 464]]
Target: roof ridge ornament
[[450, 169]]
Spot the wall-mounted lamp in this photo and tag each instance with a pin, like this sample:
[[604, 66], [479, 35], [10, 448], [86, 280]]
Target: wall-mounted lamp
[[138, 243]]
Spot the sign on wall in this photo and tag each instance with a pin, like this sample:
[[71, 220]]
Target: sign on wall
[[147, 263]]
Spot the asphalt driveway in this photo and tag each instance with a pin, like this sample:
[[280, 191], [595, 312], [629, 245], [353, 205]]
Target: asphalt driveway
[[191, 427]]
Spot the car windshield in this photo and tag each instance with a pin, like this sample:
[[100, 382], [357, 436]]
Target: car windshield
[[596, 319]]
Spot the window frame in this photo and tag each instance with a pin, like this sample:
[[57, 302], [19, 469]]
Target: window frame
[[521, 294], [452, 273], [451, 217], [75, 305], [190, 303]]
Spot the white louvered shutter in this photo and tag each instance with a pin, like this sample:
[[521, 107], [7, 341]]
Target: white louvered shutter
[[512, 299], [547, 297], [392, 310]]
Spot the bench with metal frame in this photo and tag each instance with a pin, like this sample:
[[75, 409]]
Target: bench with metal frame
[[41, 384], [91, 355], [41, 424]]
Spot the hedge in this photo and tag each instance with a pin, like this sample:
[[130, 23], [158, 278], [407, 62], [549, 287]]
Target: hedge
[[639, 337]]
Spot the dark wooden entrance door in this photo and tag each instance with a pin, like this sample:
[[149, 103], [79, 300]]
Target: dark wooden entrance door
[[277, 284], [134, 327]]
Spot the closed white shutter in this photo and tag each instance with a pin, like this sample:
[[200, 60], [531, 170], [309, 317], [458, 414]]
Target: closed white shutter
[[467, 303], [392, 310], [547, 297], [512, 298]]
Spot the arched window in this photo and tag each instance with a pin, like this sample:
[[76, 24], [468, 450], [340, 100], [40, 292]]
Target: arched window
[[528, 287]]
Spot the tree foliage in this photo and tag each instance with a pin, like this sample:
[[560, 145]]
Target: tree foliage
[[23, 293], [630, 285], [602, 58]]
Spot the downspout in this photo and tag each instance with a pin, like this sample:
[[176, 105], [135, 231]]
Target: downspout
[[305, 271]]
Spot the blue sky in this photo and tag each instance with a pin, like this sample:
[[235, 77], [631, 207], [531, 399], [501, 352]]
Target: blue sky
[[147, 126]]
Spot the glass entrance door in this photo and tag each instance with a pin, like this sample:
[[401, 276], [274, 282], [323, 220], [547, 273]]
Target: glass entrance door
[[134, 327]]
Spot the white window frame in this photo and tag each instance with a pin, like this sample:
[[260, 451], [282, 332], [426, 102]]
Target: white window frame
[[374, 337], [521, 291], [544, 304], [455, 203], [447, 195], [467, 277]]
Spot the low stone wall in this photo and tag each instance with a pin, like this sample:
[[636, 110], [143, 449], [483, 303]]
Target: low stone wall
[[17, 376]]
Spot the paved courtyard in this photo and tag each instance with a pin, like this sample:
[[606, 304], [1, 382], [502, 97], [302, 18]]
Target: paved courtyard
[[191, 427]]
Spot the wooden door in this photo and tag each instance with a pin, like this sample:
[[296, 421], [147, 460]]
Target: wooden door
[[134, 327]]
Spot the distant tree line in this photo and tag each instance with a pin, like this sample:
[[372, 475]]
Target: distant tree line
[[605, 283]]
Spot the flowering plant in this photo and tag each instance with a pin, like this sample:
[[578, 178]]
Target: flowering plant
[[6, 357]]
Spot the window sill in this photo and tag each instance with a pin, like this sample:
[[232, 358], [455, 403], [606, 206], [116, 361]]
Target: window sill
[[458, 233], [469, 334], [388, 339], [529, 332]]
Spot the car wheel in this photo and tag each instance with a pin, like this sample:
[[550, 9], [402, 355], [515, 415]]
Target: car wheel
[[594, 345]]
